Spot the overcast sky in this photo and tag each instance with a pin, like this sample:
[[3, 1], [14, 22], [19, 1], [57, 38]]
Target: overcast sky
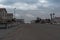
[[30, 9]]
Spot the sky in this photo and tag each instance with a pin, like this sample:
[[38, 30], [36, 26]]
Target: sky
[[30, 9]]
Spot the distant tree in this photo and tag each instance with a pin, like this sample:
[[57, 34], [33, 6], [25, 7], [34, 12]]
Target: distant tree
[[38, 20], [14, 20]]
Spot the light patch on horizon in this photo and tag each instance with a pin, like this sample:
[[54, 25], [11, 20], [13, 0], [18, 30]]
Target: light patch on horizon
[[29, 15], [5, 6], [43, 1]]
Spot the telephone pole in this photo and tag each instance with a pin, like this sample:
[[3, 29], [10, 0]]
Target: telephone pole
[[52, 15], [14, 12]]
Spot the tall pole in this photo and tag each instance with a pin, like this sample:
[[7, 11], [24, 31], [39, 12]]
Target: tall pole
[[51, 17], [14, 12]]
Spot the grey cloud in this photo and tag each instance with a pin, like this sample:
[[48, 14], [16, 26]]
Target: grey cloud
[[28, 1], [9, 2], [55, 2], [42, 10]]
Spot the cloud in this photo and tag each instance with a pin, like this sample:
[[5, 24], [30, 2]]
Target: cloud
[[43, 2], [2, 1], [4, 6], [9, 2], [38, 3], [21, 6], [54, 1], [24, 6], [28, 1], [44, 6]]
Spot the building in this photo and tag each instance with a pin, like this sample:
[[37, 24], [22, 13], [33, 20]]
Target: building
[[57, 19], [4, 16], [20, 21], [9, 17]]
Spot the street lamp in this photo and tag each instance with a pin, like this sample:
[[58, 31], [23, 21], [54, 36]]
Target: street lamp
[[14, 12], [53, 15]]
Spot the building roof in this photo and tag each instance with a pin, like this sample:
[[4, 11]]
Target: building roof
[[1, 9]]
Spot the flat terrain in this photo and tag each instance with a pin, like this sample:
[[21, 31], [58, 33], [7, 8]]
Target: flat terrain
[[34, 32]]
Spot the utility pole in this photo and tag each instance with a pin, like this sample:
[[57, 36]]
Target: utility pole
[[52, 17], [14, 12]]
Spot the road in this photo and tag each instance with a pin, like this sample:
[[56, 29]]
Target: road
[[34, 32]]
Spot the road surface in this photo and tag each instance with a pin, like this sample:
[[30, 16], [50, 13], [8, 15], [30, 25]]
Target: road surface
[[34, 32]]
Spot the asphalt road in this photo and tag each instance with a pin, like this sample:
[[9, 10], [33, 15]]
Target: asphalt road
[[34, 32]]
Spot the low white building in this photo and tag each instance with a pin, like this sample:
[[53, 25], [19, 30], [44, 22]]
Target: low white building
[[57, 19], [20, 21]]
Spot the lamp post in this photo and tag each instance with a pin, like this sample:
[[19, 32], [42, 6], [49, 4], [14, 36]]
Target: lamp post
[[52, 17], [14, 12]]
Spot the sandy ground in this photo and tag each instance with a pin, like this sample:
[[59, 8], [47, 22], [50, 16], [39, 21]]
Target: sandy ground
[[34, 32]]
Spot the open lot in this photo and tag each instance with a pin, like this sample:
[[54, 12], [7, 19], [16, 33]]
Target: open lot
[[34, 32]]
